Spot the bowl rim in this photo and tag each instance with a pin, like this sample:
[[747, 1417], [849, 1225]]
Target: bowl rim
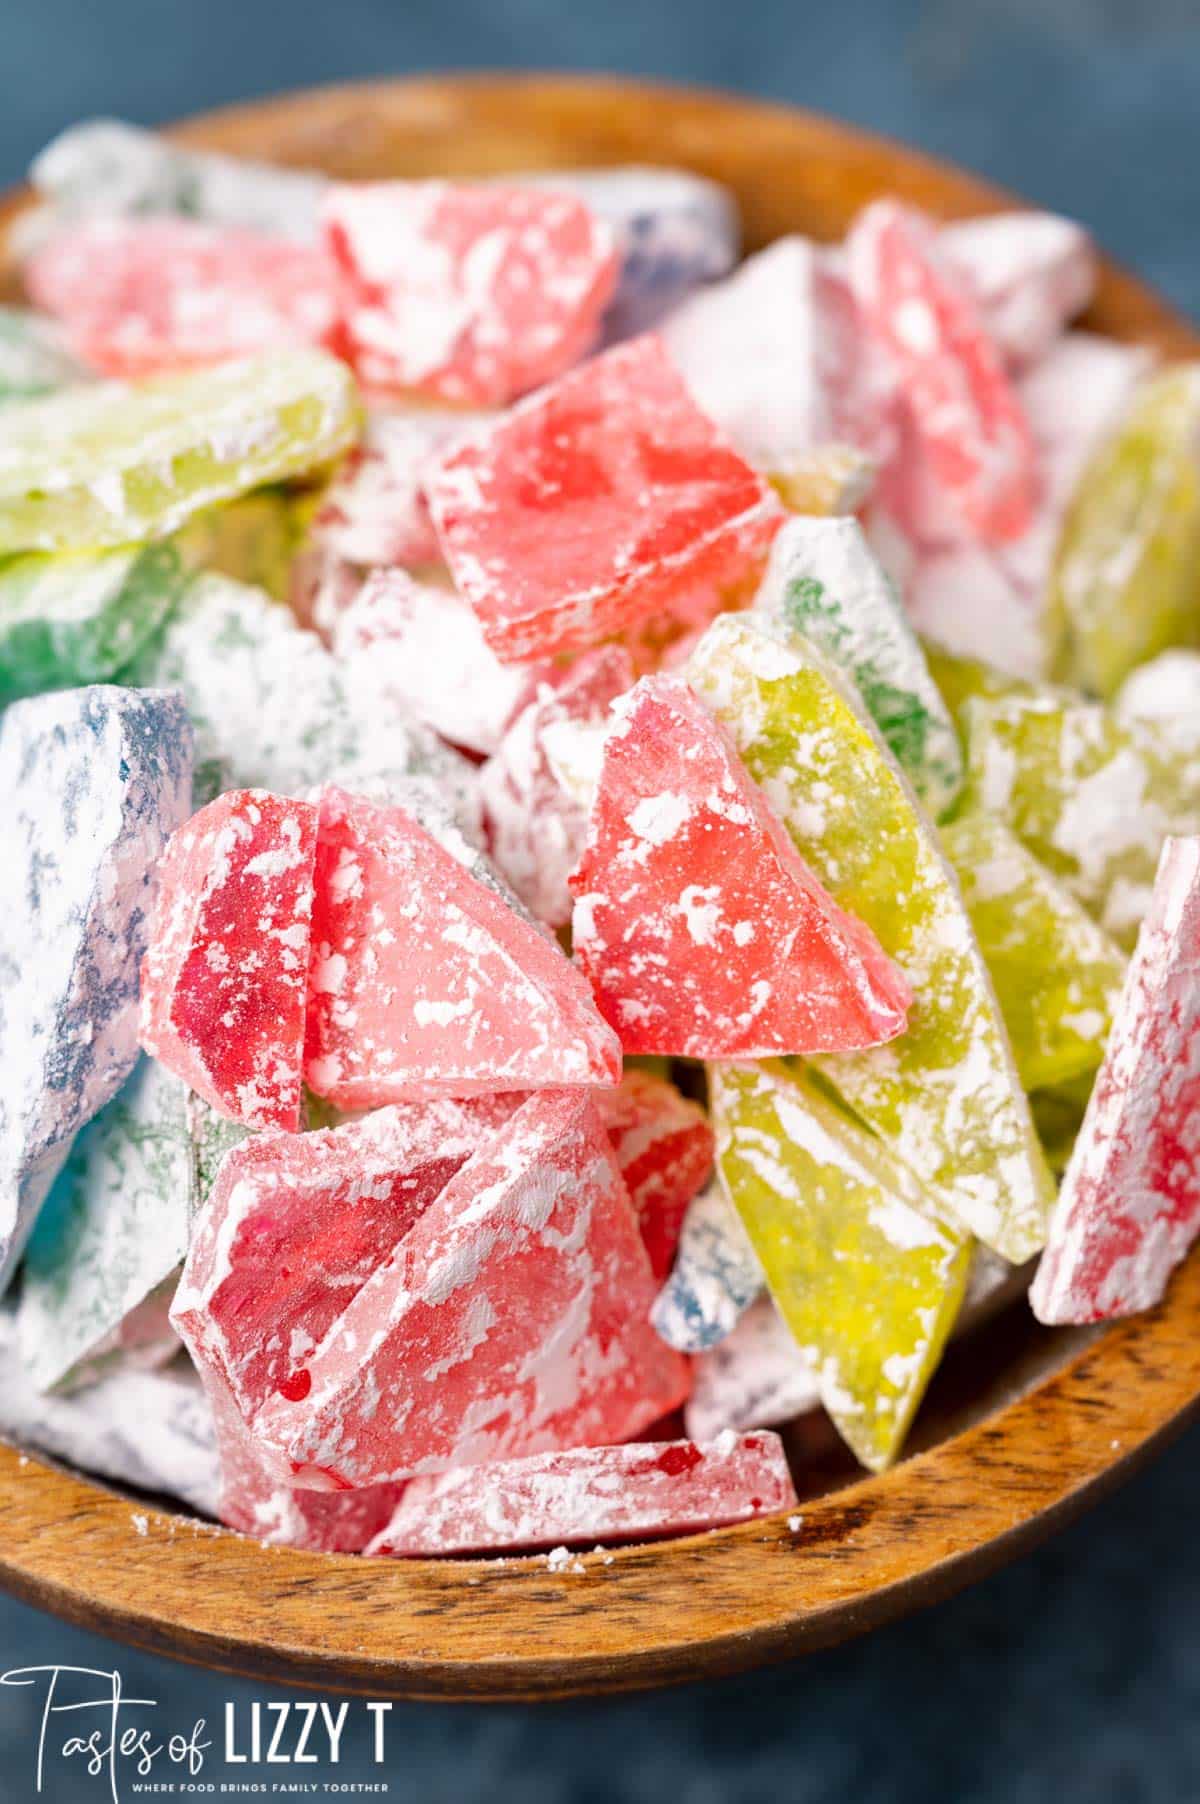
[[687, 1608]]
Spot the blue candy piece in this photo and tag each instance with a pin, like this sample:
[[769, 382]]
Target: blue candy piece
[[716, 1276], [95, 780]]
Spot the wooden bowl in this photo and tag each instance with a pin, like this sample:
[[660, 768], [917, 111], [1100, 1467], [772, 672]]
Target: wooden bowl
[[1022, 1426]]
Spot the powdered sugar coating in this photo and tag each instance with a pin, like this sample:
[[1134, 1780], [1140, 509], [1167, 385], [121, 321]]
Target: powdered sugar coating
[[716, 1276]]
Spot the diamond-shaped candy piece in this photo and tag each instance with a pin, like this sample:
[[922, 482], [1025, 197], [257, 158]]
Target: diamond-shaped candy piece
[[426, 983], [701, 930], [590, 1494], [77, 617], [963, 406], [95, 780], [778, 356], [867, 1276], [824, 581], [537, 825], [110, 463], [512, 1319], [1030, 274], [1129, 1207], [141, 296], [945, 1095], [664, 1148], [716, 1277], [605, 499], [223, 982], [467, 294], [1057, 974]]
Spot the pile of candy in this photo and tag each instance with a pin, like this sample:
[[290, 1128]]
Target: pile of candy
[[604, 847]]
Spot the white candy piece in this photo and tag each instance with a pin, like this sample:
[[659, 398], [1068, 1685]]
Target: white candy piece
[[716, 1277], [96, 780], [1030, 273], [756, 1377]]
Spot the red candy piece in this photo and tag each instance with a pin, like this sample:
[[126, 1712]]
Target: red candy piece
[[962, 403], [703, 932], [591, 1494], [467, 294], [297, 1223], [223, 979], [537, 829], [425, 983], [512, 1319], [607, 498], [1129, 1207], [144, 295], [664, 1147]]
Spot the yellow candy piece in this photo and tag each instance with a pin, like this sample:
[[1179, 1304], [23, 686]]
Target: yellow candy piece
[[960, 679], [1057, 974], [1126, 577], [945, 1096], [252, 539], [864, 1273], [1059, 1114], [831, 479]]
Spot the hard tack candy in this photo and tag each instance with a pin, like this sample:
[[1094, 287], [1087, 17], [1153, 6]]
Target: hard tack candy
[[34, 359], [963, 407], [824, 581], [537, 825], [865, 1272], [702, 932], [756, 1377], [590, 1494], [70, 619], [109, 463], [467, 294], [960, 679], [142, 296], [604, 500], [225, 975], [423, 645], [511, 1320], [1030, 274], [424, 982], [945, 1096], [777, 356], [664, 1148], [716, 1277], [1124, 583], [1093, 798], [674, 231], [1057, 974], [96, 779], [1129, 1207], [830, 479], [114, 1229]]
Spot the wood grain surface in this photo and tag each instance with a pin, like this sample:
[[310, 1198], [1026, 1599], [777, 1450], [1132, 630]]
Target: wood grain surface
[[1022, 1426]]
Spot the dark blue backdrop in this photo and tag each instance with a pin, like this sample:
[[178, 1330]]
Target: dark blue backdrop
[[1074, 1675]]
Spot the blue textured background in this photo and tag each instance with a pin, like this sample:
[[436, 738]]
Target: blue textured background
[[1074, 1675]]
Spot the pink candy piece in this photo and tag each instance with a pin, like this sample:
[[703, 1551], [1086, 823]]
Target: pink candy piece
[[423, 645], [703, 932], [537, 828], [141, 295], [606, 499], [1129, 1207], [664, 1147], [962, 404], [512, 1319], [467, 294], [591, 1494], [223, 979], [423, 982], [1030, 274]]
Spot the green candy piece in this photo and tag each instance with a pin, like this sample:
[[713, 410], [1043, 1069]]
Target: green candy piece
[[1125, 582], [945, 1096], [1091, 796], [33, 359], [115, 1228], [112, 463], [1057, 974], [75, 618], [824, 581], [867, 1277]]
